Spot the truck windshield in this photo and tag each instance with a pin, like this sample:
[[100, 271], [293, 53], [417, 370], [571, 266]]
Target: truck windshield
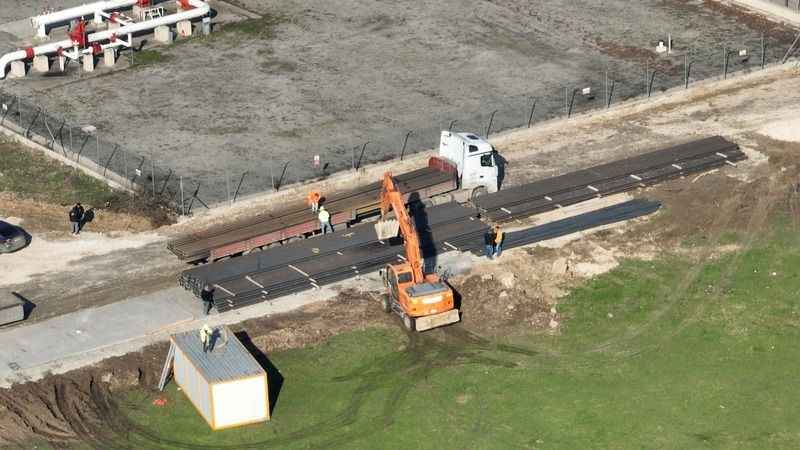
[[487, 160]]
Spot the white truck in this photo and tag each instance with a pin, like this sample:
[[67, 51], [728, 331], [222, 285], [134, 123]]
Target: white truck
[[475, 160]]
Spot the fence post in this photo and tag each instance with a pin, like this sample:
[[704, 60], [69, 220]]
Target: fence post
[[611, 93], [533, 109], [153, 175], [360, 156], [271, 175], [239, 186], [763, 51], [405, 141], [97, 145], [725, 63], [650, 84], [183, 205], [228, 186], [489, 127]]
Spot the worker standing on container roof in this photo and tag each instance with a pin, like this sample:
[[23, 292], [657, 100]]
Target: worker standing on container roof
[[324, 220], [499, 236], [313, 200], [205, 337]]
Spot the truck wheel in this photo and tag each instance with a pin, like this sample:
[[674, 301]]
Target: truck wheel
[[408, 322], [386, 303], [478, 191]]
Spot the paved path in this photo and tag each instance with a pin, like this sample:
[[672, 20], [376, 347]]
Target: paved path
[[71, 341]]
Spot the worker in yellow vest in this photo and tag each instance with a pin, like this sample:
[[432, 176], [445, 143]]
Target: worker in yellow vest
[[205, 337]]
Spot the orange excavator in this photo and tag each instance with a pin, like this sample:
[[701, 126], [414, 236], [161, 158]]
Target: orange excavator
[[423, 301]]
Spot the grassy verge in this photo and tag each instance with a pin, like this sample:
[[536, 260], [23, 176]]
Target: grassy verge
[[658, 355], [28, 174]]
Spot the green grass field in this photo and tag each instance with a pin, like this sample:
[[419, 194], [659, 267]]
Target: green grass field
[[654, 355], [32, 175]]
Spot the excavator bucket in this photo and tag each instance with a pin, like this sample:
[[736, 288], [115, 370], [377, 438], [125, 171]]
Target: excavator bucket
[[387, 229]]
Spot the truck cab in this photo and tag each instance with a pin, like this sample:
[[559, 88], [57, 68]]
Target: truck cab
[[474, 158]]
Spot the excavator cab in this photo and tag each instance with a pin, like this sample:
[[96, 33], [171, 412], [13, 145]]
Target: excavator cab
[[423, 301]]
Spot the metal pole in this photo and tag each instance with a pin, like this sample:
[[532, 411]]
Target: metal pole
[[566, 103], [725, 63], [405, 141], [605, 88], [153, 175], [183, 205], [686, 71], [271, 176], [533, 109], [97, 145], [489, 127], [763, 49], [228, 186], [71, 148]]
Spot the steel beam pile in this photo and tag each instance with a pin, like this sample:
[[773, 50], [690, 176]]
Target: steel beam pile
[[310, 263], [618, 176], [296, 219], [586, 221]]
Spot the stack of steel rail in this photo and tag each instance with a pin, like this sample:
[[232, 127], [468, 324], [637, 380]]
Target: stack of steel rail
[[586, 221], [310, 263], [296, 219], [618, 176]]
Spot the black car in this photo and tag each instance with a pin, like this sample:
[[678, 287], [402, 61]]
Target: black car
[[11, 238]]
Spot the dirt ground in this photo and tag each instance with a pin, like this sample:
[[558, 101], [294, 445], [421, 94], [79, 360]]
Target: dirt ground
[[326, 77]]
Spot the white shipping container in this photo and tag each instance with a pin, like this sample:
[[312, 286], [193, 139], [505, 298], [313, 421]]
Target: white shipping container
[[227, 386]]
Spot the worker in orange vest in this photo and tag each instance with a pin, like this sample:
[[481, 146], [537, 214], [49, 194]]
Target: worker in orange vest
[[499, 236], [313, 200]]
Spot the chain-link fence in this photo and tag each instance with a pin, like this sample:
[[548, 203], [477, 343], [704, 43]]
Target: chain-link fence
[[625, 80]]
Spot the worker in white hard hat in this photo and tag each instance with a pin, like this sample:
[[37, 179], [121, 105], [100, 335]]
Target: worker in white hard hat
[[205, 337]]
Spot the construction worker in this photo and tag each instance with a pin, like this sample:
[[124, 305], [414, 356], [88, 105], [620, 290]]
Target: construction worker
[[488, 240], [313, 200], [499, 236], [324, 220], [207, 295], [205, 337]]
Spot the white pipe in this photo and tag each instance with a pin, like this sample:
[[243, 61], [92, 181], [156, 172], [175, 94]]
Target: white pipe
[[200, 9], [41, 22]]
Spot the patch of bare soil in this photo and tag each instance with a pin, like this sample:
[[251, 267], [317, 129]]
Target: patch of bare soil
[[39, 216], [629, 53]]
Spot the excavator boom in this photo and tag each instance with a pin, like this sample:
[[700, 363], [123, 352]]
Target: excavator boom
[[392, 199]]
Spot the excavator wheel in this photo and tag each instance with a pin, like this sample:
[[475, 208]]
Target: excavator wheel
[[408, 322], [478, 191], [386, 303]]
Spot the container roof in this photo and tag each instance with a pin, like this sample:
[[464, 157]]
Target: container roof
[[228, 361]]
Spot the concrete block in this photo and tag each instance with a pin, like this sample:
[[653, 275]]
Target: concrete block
[[59, 64], [109, 57], [163, 34], [88, 63], [41, 63], [17, 69], [184, 28]]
